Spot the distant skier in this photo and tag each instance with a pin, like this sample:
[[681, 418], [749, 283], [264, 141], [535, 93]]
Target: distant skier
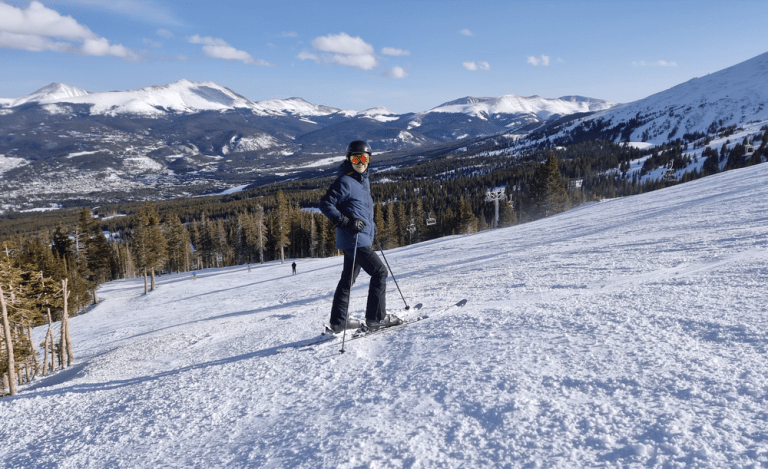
[[349, 206], [294, 268]]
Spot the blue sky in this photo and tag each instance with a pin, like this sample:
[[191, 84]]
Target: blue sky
[[408, 56]]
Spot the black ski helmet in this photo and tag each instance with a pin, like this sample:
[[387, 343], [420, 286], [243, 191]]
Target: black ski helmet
[[358, 146]]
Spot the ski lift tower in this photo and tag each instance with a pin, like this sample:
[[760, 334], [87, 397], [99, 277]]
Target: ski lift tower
[[494, 195], [411, 229]]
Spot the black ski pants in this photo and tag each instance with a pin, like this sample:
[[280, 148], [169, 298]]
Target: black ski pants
[[369, 261]]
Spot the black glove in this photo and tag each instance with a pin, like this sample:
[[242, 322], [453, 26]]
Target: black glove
[[354, 225]]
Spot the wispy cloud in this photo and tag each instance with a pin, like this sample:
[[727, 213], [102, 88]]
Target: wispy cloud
[[397, 72], [38, 28], [466, 32], [477, 65], [289, 34], [394, 52], [152, 43], [164, 33], [342, 49], [147, 11], [219, 49], [658, 63], [543, 60]]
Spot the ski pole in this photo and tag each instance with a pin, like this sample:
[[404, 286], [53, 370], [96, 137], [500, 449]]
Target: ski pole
[[349, 298], [393, 274]]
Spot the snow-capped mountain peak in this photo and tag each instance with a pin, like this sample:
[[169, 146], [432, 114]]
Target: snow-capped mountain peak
[[52, 93], [294, 106], [514, 104]]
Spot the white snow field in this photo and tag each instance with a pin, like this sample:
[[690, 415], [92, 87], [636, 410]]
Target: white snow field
[[625, 333]]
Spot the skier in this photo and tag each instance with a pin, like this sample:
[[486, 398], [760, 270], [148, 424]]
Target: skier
[[294, 268], [349, 206]]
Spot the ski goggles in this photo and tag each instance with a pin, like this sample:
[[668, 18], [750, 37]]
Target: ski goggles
[[359, 158]]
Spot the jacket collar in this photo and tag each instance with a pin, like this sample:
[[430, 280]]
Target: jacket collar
[[347, 169]]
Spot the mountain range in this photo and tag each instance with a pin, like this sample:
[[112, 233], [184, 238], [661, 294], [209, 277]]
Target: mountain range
[[65, 144]]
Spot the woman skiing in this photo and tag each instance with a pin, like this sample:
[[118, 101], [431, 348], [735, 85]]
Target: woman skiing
[[349, 206]]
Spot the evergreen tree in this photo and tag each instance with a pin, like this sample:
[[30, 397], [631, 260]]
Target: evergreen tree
[[150, 247], [507, 215], [466, 222], [401, 223], [259, 234], [281, 224], [546, 190], [95, 255], [179, 251], [382, 233]]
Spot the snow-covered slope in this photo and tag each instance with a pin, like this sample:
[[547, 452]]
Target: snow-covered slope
[[543, 108], [294, 106], [625, 333], [733, 96], [53, 93]]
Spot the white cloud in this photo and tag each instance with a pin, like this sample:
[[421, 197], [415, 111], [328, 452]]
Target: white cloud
[[397, 72], [477, 65], [217, 48], [466, 32], [343, 44], [658, 63], [164, 33], [394, 52], [38, 28], [342, 49], [536, 61], [304, 55]]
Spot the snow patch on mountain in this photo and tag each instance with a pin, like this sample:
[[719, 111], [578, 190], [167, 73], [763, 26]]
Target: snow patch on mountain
[[542, 108], [251, 143], [7, 163], [293, 106]]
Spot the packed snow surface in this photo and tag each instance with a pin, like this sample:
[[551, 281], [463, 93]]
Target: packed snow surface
[[623, 333]]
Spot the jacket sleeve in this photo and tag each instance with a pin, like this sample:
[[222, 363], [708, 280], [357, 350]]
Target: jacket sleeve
[[332, 200]]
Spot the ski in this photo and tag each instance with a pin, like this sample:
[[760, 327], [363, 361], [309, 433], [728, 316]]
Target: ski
[[360, 333], [328, 336]]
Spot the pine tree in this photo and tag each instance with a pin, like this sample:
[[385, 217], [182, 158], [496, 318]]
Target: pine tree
[[401, 223], [150, 247], [547, 193], [179, 252], [382, 233], [466, 222], [418, 216], [507, 216], [260, 232], [281, 223], [95, 256]]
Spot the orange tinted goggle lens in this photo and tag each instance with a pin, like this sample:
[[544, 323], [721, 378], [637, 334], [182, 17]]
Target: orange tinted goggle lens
[[359, 158]]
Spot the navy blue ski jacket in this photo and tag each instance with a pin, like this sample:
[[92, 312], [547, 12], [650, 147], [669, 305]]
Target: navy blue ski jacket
[[350, 197]]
